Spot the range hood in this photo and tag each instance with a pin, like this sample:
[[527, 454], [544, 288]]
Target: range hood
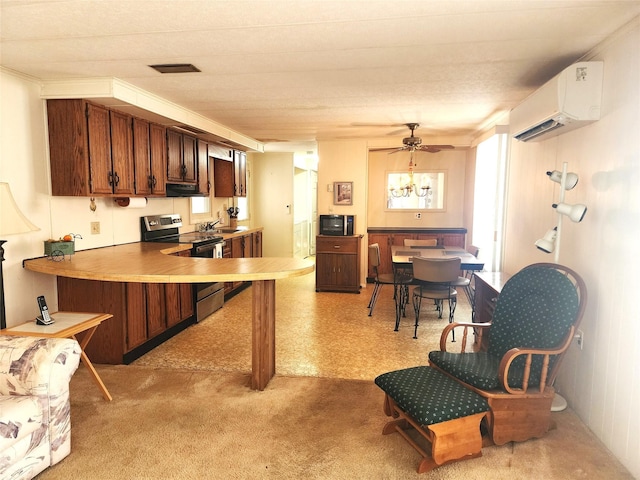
[[182, 190]]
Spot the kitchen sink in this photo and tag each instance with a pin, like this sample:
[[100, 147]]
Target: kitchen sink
[[227, 230]]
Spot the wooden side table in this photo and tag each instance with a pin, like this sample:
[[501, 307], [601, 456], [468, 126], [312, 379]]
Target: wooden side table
[[67, 325]]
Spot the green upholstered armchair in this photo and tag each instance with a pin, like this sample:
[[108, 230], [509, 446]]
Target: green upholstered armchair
[[534, 322]]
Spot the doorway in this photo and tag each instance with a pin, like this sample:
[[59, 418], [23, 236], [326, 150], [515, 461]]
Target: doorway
[[489, 200]]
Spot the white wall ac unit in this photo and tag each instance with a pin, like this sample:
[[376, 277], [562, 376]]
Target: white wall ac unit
[[568, 101]]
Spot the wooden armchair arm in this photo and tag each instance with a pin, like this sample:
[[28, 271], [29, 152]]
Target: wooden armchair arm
[[511, 355], [466, 326]]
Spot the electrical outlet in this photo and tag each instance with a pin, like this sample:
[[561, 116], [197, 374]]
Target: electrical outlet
[[95, 228], [579, 336], [417, 215]]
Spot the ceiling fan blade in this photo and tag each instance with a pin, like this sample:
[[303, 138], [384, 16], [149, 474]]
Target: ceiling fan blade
[[383, 125], [434, 148], [388, 149]]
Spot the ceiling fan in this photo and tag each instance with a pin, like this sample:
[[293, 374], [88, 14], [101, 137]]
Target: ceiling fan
[[414, 144]]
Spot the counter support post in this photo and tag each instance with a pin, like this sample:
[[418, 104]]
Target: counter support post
[[263, 334]]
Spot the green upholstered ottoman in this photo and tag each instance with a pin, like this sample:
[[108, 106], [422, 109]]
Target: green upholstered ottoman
[[445, 413]]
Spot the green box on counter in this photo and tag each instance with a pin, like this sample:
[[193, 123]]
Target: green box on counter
[[59, 248]]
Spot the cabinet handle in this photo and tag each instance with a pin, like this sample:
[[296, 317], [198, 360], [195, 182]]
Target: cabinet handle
[[110, 176], [154, 181], [336, 246], [117, 178]]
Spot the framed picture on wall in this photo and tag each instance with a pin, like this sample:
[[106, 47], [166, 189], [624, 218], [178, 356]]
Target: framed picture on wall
[[342, 193]]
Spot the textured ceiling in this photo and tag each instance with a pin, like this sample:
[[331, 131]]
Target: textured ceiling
[[310, 70]]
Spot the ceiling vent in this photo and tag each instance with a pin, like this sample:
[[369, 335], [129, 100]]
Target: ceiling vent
[[175, 68]]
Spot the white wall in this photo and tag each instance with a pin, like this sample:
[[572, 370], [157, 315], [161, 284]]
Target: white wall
[[24, 164], [452, 162], [602, 381]]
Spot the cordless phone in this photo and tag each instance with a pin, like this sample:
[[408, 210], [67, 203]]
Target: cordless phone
[[44, 318]]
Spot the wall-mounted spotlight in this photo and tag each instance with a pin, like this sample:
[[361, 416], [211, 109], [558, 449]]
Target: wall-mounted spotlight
[[571, 180], [575, 212], [548, 243]]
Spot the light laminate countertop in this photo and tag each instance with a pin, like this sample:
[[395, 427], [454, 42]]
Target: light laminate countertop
[[152, 262]]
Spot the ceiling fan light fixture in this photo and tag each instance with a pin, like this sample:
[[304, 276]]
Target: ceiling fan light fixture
[[175, 68]]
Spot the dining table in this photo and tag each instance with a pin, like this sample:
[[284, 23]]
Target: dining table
[[402, 261]]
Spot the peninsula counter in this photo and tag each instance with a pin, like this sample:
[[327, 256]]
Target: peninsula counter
[[148, 262]]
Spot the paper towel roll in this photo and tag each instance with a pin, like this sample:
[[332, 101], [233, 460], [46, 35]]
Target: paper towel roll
[[134, 202]]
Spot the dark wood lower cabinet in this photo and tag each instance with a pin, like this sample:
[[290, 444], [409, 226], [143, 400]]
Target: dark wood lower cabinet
[[144, 314], [338, 263], [244, 246]]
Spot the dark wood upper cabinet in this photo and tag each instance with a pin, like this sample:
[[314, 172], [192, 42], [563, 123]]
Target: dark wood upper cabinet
[[204, 185], [122, 177], [223, 178], [92, 150], [150, 158], [158, 144], [99, 142], [181, 157], [230, 176]]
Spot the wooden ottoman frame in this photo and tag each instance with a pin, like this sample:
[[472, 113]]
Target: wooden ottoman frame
[[449, 441], [443, 412]]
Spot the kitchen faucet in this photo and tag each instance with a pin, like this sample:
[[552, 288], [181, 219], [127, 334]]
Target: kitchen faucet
[[211, 225]]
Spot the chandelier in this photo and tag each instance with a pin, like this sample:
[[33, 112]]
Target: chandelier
[[410, 187]]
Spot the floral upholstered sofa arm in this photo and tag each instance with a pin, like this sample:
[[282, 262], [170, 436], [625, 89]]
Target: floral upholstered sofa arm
[[35, 427]]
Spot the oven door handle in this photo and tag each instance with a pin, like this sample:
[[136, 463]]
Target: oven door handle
[[204, 248]]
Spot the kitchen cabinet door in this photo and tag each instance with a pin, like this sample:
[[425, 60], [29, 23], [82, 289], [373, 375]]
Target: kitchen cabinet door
[[204, 186], [136, 325], [122, 154], [68, 147], [181, 158], [240, 173], [173, 303], [174, 156], [158, 159], [156, 312], [189, 159], [99, 142], [256, 239], [149, 158], [142, 157], [223, 181]]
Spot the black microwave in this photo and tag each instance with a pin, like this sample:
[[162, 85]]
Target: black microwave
[[337, 224]]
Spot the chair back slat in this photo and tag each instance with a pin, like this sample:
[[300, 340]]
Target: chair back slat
[[374, 255], [436, 270], [409, 242]]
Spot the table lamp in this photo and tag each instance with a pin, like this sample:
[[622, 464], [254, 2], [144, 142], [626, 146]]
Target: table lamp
[[12, 221]]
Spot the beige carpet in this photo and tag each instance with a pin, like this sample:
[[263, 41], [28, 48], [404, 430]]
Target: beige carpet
[[185, 411], [177, 424]]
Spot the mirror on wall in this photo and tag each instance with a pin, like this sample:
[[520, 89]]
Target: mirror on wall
[[415, 190]]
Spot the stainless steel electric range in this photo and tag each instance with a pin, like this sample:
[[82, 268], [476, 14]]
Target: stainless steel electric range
[[208, 297]]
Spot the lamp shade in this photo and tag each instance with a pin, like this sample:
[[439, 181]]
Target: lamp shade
[[575, 212], [12, 220], [570, 181], [548, 243]]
